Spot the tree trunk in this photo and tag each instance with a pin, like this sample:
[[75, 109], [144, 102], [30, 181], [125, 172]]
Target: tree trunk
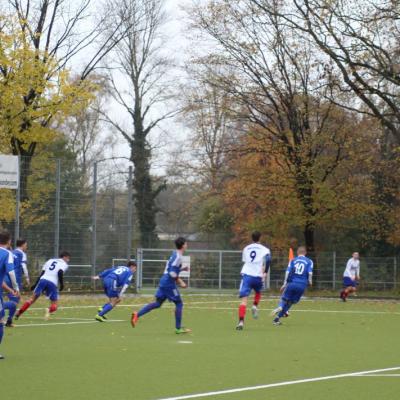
[[25, 166], [142, 184]]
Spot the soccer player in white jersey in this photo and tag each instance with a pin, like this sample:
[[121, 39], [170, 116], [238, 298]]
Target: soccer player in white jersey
[[257, 260], [351, 276], [52, 275]]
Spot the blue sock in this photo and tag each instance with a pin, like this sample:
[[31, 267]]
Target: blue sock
[[12, 308], [148, 307], [106, 308], [1, 331], [285, 309], [178, 315]]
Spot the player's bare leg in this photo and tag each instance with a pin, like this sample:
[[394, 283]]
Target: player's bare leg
[[26, 305], [242, 313]]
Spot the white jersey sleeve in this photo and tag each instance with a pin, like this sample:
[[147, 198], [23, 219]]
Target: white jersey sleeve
[[254, 259], [51, 269]]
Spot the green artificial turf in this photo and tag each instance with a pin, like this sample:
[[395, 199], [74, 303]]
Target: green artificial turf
[[82, 359]]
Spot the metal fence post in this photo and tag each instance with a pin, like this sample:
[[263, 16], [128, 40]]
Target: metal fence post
[[57, 210], [94, 222], [334, 271], [137, 269], [395, 272], [220, 271], [17, 204], [130, 213]]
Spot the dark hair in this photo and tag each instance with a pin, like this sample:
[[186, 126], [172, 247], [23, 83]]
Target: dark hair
[[21, 242], [179, 242], [64, 254], [256, 236], [131, 264], [5, 237]]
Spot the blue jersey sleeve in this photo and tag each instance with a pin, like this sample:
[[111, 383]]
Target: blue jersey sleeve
[[106, 272], [128, 278]]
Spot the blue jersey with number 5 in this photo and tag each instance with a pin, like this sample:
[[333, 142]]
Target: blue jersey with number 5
[[298, 269], [122, 275]]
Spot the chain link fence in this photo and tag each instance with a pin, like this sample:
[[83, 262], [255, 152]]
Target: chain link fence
[[90, 214]]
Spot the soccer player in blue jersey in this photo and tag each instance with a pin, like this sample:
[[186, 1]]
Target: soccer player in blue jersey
[[6, 267], [168, 289], [20, 268], [115, 282], [298, 276]]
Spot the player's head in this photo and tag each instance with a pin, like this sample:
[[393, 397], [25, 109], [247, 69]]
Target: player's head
[[256, 236], [65, 256], [132, 265], [301, 251], [181, 243], [22, 244], [5, 239], [356, 256]]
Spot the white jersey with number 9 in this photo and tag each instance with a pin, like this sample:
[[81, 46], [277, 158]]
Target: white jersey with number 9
[[253, 257]]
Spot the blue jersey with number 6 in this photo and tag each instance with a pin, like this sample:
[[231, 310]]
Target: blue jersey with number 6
[[122, 275], [298, 269]]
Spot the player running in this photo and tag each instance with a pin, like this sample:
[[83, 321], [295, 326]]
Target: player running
[[6, 267], [257, 260], [115, 282], [167, 288], [21, 269], [351, 276], [51, 277], [298, 276]]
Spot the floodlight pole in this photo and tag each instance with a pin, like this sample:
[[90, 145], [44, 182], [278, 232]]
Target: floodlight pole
[[130, 215], [17, 204], [57, 210], [94, 222]]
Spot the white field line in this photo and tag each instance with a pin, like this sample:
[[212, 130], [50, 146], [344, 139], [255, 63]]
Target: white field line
[[52, 318], [271, 385], [68, 323], [392, 375], [190, 306], [300, 310]]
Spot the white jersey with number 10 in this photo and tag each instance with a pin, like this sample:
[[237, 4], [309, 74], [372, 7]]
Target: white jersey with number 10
[[51, 268], [254, 258]]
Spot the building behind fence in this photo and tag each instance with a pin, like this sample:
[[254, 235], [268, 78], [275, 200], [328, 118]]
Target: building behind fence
[[94, 220]]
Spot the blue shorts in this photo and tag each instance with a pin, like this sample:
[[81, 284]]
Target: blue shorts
[[349, 282], [172, 294], [48, 288], [250, 283], [293, 292], [110, 287], [2, 314]]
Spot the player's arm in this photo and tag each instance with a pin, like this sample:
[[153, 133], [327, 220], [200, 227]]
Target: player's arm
[[125, 286], [37, 280], [358, 271], [9, 290], [61, 279], [267, 263], [287, 273], [310, 273], [104, 273], [25, 269]]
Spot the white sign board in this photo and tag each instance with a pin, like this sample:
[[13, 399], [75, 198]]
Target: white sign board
[[185, 264], [9, 172]]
